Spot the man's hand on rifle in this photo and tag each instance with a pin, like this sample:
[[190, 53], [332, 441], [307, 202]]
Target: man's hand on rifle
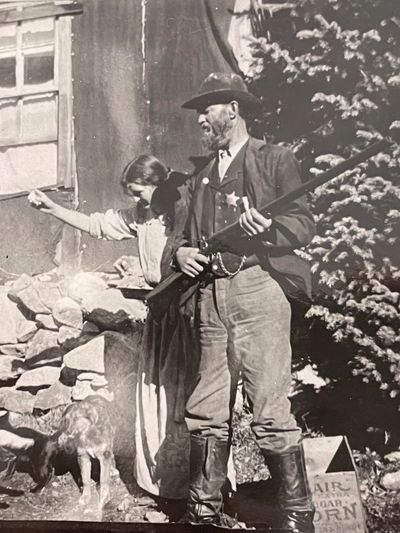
[[191, 261], [253, 222]]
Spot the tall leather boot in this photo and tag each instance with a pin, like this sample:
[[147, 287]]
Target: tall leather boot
[[208, 471], [293, 493]]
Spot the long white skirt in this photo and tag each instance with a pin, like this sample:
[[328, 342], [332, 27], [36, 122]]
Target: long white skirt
[[161, 436], [167, 367]]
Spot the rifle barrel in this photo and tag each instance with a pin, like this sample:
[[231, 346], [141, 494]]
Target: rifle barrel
[[275, 207]]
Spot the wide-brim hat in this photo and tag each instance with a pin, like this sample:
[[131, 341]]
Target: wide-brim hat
[[222, 88]]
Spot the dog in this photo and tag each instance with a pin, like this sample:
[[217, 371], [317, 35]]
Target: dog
[[86, 429], [28, 450]]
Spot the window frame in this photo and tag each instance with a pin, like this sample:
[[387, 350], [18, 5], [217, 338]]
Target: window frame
[[61, 89]]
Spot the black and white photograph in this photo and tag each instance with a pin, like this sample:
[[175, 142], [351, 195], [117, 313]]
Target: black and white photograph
[[200, 266]]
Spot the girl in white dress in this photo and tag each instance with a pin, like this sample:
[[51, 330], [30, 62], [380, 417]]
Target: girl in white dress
[[162, 441]]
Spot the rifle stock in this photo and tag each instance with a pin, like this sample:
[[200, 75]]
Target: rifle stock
[[163, 288], [161, 296]]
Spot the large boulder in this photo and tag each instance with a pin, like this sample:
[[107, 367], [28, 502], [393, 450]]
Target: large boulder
[[24, 292], [393, 457], [81, 390], [43, 348], [17, 350], [26, 330], [36, 296], [67, 312], [50, 292], [112, 354], [12, 320], [68, 333], [109, 310], [16, 401], [85, 284], [44, 376], [10, 367], [46, 322], [57, 394], [391, 480], [89, 357]]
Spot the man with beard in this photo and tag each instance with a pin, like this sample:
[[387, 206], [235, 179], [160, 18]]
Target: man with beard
[[243, 313]]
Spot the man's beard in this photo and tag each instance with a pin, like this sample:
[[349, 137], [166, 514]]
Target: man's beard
[[217, 136]]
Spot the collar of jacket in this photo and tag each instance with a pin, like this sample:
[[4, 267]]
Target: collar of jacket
[[253, 149], [252, 184]]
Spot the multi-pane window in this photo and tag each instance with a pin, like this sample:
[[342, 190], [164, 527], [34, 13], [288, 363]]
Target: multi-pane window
[[35, 104]]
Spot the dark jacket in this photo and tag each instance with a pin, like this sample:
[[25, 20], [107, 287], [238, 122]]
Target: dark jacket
[[269, 171]]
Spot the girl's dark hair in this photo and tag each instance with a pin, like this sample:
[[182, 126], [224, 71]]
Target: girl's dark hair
[[144, 170]]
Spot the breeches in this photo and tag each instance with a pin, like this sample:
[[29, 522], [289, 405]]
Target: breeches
[[244, 329]]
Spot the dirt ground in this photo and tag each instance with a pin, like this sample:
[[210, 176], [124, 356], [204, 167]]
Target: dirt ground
[[60, 501]]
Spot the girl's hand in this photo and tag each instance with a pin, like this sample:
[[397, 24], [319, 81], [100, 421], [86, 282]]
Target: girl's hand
[[125, 265], [41, 201]]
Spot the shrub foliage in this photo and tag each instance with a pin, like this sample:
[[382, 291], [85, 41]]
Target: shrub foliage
[[328, 73]]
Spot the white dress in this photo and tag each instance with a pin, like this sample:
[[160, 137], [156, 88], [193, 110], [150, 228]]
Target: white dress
[[151, 235], [162, 442]]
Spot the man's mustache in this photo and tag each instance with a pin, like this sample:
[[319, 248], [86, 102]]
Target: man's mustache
[[213, 138]]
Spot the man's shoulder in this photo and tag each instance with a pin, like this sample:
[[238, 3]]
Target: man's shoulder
[[200, 163], [267, 149]]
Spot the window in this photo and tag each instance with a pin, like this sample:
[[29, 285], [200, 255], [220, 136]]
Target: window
[[36, 135]]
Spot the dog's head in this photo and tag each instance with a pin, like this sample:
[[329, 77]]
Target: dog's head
[[43, 460], [37, 457]]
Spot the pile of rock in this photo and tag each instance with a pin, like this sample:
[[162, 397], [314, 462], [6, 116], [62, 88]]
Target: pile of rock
[[391, 480], [64, 339]]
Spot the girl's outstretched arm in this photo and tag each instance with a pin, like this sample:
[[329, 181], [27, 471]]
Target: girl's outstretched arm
[[41, 201]]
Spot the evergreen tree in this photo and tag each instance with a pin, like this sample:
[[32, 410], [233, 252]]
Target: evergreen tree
[[330, 84]]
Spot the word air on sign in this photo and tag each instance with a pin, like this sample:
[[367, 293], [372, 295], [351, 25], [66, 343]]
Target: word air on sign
[[334, 486]]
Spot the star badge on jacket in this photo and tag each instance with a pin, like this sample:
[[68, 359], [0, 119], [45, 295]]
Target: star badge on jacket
[[232, 199]]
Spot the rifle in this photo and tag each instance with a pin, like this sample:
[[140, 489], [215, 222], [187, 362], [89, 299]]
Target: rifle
[[232, 237]]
